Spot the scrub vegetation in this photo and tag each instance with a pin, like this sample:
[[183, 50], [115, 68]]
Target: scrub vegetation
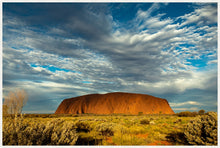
[[203, 130], [116, 129]]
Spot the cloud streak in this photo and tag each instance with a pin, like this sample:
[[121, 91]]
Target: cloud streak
[[185, 103]]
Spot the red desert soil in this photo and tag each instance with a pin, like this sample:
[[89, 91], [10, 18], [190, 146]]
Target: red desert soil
[[114, 103], [109, 140], [142, 135], [160, 143]]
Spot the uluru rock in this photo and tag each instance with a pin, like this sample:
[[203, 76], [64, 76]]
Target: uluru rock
[[114, 103]]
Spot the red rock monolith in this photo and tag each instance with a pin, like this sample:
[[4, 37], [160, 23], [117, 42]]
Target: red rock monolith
[[114, 103]]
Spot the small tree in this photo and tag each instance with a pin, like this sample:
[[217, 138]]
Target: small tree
[[201, 112], [15, 102]]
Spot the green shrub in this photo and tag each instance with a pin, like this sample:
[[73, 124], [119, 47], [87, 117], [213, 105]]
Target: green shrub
[[187, 114], [82, 126], [64, 135], [105, 129], [202, 130], [151, 119], [55, 132], [140, 113], [144, 121], [178, 121]]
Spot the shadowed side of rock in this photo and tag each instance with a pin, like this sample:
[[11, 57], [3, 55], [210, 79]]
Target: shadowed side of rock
[[114, 103]]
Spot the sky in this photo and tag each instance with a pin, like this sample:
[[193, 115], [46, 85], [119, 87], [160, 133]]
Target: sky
[[56, 51]]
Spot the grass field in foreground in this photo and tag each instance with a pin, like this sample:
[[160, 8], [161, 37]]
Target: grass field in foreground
[[95, 130]]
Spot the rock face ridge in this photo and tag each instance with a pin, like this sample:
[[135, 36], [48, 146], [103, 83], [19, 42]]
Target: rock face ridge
[[114, 103]]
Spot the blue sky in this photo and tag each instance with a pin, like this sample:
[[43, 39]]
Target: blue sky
[[61, 50]]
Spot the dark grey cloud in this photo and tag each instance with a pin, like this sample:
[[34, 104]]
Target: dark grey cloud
[[71, 25], [43, 14], [88, 21]]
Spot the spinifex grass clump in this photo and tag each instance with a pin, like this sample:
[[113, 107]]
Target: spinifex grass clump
[[202, 130], [82, 126], [105, 129], [144, 121]]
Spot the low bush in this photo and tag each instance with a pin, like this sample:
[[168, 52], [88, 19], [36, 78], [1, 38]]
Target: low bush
[[55, 132], [140, 113], [82, 126], [178, 121], [202, 130], [105, 129], [144, 121], [187, 114]]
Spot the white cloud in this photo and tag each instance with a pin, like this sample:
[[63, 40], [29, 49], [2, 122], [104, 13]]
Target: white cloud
[[40, 69], [185, 103], [213, 62], [201, 16], [197, 80], [186, 109]]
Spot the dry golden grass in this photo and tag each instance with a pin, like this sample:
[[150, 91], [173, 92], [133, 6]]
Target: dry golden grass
[[95, 130]]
